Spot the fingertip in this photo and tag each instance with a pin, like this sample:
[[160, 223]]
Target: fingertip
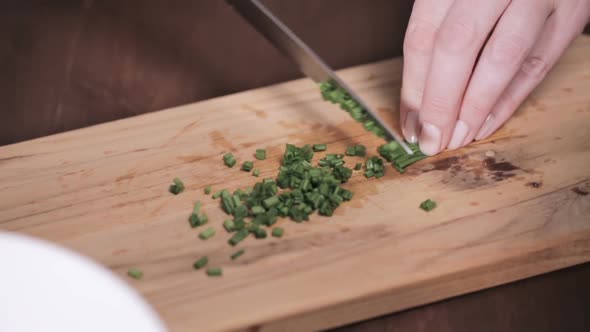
[[459, 136], [411, 127], [486, 129], [430, 139]]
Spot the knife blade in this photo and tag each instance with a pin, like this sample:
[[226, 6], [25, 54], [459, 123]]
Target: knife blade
[[310, 64]]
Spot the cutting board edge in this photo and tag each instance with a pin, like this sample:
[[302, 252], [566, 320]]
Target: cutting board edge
[[568, 253]]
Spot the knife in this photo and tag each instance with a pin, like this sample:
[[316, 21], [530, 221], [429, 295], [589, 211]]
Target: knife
[[267, 24]]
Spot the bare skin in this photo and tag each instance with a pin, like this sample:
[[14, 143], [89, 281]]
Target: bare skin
[[449, 96]]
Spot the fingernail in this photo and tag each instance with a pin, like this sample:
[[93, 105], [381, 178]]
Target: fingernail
[[411, 127], [430, 139], [459, 135], [484, 130]]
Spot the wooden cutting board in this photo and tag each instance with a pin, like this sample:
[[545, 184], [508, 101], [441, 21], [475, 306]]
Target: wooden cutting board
[[510, 207]]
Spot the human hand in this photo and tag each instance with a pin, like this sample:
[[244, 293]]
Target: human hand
[[450, 97]]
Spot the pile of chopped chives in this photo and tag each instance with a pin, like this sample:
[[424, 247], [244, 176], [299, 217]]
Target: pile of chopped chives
[[300, 188]]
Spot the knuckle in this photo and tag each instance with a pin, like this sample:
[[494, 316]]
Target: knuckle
[[508, 50], [420, 37], [535, 68], [456, 36]]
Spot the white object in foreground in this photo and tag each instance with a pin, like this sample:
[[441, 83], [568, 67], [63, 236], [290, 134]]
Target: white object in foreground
[[45, 287]]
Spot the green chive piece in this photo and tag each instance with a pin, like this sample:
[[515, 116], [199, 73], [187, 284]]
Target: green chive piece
[[333, 92], [319, 147], [271, 201], [229, 160], [237, 254], [374, 167], [260, 154], [176, 187], [206, 234], [247, 166], [258, 209], [394, 153], [135, 273], [227, 202], [201, 263], [277, 232], [229, 225], [391, 151], [360, 150], [239, 236], [215, 272], [350, 151], [256, 172], [207, 190], [217, 195], [260, 233], [197, 218], [358, 166], [428, 205]]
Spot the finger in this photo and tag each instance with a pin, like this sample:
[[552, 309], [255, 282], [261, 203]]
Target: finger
[[426, 17], [562, 27], [458, 42], [510, 43]]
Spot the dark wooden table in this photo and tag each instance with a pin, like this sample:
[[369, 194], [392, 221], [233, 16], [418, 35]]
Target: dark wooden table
[[72, 63]]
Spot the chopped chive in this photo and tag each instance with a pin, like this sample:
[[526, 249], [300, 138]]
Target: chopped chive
[[135, 273], [350, 151], [260, 154], [229, 160], [393, 152], [258, 209], [271, 201], [197, 218], [247, 166], [227, 202], [259, 233], [176, 187], [207, 190], [333, 92], [214, 272], [256, 172], [239, 236], [201, 263], [206, 234], [358, 166], [305, 189], [360, 150], [237, 254], [229, 225], [277, 232], [428, 205], [319, 147]]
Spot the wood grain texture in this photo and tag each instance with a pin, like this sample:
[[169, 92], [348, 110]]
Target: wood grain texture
[[103, 192]]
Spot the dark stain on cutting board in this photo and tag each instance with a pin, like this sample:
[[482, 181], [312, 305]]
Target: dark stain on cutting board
[[471, 171]]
